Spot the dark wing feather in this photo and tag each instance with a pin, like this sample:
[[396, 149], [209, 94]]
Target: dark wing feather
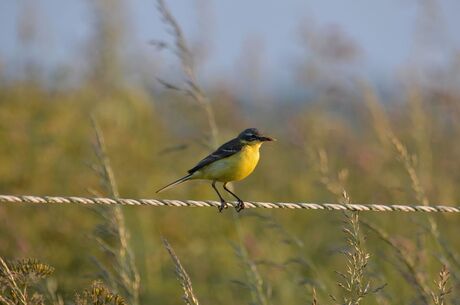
[[224, 151]]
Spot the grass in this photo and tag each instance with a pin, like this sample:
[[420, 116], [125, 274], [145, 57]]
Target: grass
[[304, 235], [353, 281], [190, 87], [442, 289], [123, 275], [189, 296]]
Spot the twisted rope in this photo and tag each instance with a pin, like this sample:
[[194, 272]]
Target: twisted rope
[[248, 204]]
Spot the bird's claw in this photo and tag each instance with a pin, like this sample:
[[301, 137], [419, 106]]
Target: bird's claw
[[223, 205], [240, 206]]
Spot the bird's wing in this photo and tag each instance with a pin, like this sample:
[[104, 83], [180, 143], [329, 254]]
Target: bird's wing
[[226, 150]]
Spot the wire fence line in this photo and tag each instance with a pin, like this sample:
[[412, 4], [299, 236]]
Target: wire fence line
[[211, 203]]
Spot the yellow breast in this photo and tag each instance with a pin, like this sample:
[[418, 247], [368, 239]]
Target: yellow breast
[[233, 168]]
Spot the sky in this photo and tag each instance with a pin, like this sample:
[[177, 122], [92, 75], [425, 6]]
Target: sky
[[270, 31]]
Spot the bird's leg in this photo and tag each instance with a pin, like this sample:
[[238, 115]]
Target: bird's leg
[[223, 204], [240, 204]]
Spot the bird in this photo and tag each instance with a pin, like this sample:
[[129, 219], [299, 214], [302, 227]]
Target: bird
[[233, 161]]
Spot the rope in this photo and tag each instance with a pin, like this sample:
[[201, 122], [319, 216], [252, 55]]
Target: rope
[[248, 204]]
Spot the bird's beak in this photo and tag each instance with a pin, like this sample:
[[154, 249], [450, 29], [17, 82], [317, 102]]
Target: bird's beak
[[266, 139]]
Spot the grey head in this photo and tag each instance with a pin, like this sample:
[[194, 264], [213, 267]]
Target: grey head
[[253, 135]]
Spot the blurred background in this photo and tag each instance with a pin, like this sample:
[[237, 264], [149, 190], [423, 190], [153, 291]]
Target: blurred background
[[362, 96]]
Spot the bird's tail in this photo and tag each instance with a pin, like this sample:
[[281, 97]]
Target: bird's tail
[[172, 184]]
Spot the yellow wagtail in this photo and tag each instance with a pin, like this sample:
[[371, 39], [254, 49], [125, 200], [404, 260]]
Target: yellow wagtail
[[233, 161]]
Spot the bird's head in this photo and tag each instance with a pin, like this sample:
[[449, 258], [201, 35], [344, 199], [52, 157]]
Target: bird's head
[[253, 136]]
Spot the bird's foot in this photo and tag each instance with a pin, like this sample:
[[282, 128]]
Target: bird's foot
[[223, 205], [240, 206]]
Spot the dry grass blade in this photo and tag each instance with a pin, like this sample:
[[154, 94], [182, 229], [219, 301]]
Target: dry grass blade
[[335, 185], [383, 129], [273, 224], [53, 295], [408, 163], [439, 297], [125, 275], [182, 49], [260, 292], [314, 299], [101, 152], [379, 118], [387, 136], [8, 282], [191, 87], [255, 283], [353, 281], [189, 296], [415, 277], [303, 268]]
